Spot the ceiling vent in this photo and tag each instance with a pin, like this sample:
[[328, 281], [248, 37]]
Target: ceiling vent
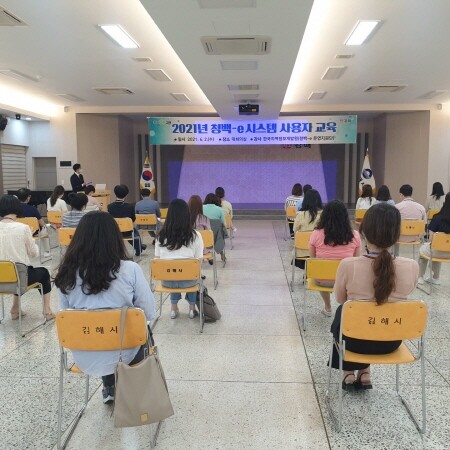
[[180, 97], [245, 98], [114, 90], [243, 87], [386, 88], [334, 72], [432, 94], [142, 59], [317, 95], [345, 56], [71, 97], [239, 65], [158, 74], [19, 75], [236, 45], [8, 19]]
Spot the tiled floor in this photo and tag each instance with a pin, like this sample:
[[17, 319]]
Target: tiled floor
[[250, 381]]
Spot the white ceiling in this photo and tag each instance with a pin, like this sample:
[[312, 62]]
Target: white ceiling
[[63, 47]]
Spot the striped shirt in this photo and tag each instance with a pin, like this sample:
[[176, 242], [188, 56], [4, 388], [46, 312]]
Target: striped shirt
[[71, 218]]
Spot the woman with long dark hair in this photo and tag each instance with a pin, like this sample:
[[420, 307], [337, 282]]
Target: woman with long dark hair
[[384, 195], [333, 238], [308, 216], [55, 201], [198, 220], [178, 240], [17, 244], [440, 223], [436, 200], [96, 273], [375, 276], [367, 199]]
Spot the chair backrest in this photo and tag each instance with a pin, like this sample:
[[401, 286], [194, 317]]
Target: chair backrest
[[175, 269], [228, 220], [163, 212], [99, 329], [291, 211], [208, 238], [302, 240], [55, 216], [145, 219], [8, 273], [431, 213], [412, 227], [32, 222], [125, 224], [322, 269], [441, 242], [359, 214], [391, 321], [65, 235]]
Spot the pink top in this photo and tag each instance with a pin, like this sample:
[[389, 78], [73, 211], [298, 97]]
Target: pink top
[[317, 246], [354, 279]]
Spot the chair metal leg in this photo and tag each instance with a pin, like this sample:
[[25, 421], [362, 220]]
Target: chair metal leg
[[215, 271], [3, 308], [154, 436], [328, 391], [201, 312], [420, 429]]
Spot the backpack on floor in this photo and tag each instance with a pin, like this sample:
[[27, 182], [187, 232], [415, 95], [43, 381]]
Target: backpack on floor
[[210, 308]]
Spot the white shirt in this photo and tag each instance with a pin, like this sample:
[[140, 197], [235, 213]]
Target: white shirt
[[226, 206], [60, 205], [16, 242], [194, 250], [365, 202]]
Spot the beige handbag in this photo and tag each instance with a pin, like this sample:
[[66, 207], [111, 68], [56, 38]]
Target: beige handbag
[[141, 395]]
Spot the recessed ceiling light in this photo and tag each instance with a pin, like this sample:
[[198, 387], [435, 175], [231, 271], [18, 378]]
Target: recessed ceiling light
[[432, 94], [317, 95], [333, 72], [345, 56], [114, 90], [180, 97], [361, 32], [143, 59], [119, 35], [19, 75], [71, 97], [158, 74], [385, 88]]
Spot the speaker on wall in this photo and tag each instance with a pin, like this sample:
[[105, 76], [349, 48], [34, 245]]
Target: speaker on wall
[[3, 122]]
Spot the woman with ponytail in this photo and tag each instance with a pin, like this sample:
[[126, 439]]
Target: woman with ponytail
[[56, 202], [375, 276]]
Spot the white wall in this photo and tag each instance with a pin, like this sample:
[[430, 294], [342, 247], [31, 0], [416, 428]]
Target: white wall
[[16, 133], [439, 154]]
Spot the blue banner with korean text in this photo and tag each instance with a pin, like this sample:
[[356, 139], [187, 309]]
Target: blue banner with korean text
[[215, 131]]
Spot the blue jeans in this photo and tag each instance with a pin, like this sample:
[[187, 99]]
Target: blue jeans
[[191, 297]]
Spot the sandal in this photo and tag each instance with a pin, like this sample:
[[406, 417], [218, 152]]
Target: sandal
[[349, 387], [363, 385]]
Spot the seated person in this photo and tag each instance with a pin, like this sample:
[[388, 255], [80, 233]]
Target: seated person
[[56, 202], [78, 203], [93, 204], [436, 200], [178, 240], [148, 206], [212, 208], [306, 188], [367, 199], [409, 210], [296, 200], [198, 220], [440, 223], [120, 209], [19, 246], [375, 276], [225, 204], [333, 238], [109, 280], [24, 196]]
